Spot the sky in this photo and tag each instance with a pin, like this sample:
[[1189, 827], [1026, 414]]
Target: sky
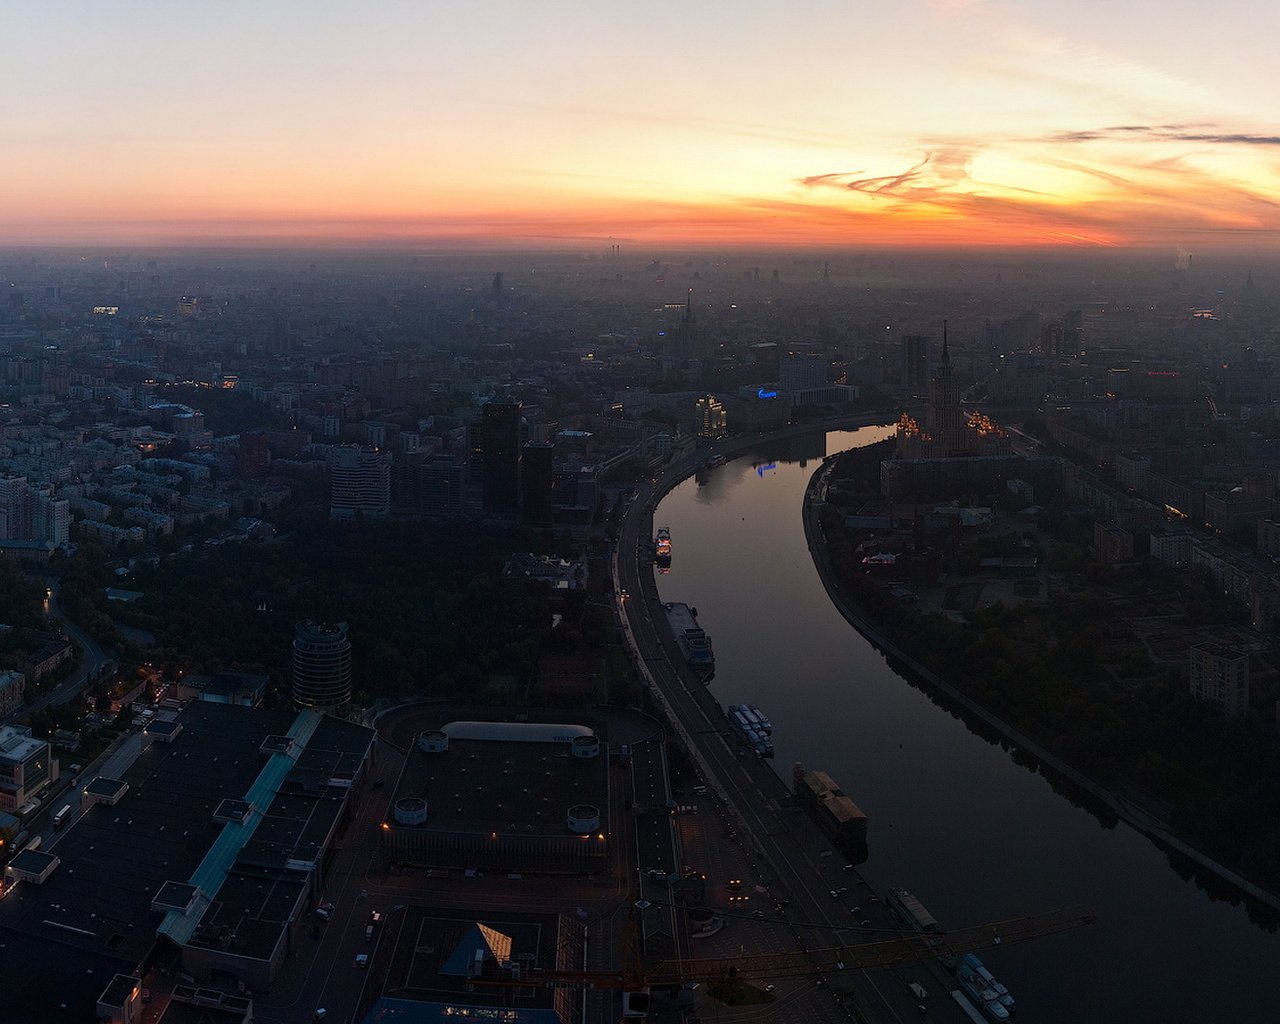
[[806, 123]]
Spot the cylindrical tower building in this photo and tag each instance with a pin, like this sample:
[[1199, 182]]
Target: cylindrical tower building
[[321, 666]]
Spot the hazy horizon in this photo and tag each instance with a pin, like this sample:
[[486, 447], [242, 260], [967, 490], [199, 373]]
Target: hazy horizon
[[932, 123]]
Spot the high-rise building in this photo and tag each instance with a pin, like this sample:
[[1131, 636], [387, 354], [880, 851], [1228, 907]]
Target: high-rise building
[[802, 371], [1220, 676], [501, 443], [429, 485], [709, 417], [321, 666], [537, 475], [33, 513], [359, 483], [915, 362], [946, 418], [253, 460], [15, 508], [50, 519]]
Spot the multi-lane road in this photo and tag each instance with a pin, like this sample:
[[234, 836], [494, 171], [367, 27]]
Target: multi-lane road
[[785, 847]]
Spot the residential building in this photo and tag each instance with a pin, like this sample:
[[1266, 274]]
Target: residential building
[[359, 483], [12, 687], [1220, 676], [321, 666]]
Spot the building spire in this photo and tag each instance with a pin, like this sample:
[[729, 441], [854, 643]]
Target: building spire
[[946, 358]]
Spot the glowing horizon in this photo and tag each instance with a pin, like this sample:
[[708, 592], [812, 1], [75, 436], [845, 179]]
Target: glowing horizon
[[932, 123]]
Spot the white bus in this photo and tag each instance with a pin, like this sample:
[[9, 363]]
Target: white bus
[[61, 817]]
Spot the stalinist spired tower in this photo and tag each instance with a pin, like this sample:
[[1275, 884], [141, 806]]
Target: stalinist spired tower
[[946, 419]]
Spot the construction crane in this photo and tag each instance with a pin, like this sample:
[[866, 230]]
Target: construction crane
[[867, 956]]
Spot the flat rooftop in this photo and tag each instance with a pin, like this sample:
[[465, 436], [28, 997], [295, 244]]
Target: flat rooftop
[[488, 785], [429, 949], [117, 858]]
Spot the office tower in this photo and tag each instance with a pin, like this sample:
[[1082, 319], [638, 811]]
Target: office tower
[[359, 483], [321, 666], [1051, 338], [915, 362], [1072, 335], [537, 476], [500, 440], [802, 371]]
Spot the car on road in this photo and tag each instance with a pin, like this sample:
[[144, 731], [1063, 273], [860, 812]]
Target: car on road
[[837, 893], [362, 960]]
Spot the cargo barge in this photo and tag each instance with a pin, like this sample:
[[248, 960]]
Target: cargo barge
[[976, 981], [834, 812], [752, 726]]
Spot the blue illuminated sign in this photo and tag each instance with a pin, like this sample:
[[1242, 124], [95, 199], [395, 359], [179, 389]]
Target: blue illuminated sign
[[761, 470], [762, 393]]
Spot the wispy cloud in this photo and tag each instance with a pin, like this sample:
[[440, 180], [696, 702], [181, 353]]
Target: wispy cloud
[[1165, 133], [1169, 185]]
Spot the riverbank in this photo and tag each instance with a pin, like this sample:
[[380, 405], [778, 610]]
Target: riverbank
[[1123, 808]]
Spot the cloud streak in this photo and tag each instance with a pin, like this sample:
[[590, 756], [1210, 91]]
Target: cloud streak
[[1164, 181], [1164, 133]]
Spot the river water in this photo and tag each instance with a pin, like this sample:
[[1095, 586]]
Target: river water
[[954, 818]]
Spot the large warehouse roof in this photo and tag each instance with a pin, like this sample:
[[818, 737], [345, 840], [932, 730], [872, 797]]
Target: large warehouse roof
[[516, 732]]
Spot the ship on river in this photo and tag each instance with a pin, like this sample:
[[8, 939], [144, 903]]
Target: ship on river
[[970, 966], [836, 813], [693, 641], [752, 726], [662, 549], [987, 994]]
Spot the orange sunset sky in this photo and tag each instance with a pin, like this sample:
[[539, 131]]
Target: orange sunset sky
[[944, 122]]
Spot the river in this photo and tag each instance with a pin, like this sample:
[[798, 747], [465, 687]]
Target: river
[[976, 836]]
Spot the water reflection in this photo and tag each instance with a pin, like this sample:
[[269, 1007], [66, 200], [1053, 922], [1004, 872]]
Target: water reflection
[[971, 826]]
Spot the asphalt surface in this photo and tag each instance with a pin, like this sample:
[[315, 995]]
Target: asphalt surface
[[793, 859]]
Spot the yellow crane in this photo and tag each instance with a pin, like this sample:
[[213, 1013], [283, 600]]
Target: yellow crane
[[908, 947]]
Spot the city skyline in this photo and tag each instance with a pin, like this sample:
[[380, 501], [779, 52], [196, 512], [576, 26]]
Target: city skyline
[[932, 123]]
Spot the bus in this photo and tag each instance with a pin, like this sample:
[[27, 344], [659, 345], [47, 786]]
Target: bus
[[61, 817]]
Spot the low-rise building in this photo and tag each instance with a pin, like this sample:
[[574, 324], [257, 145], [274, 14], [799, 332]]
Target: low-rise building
[[26, 766], [12, 687], [210, 850]]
